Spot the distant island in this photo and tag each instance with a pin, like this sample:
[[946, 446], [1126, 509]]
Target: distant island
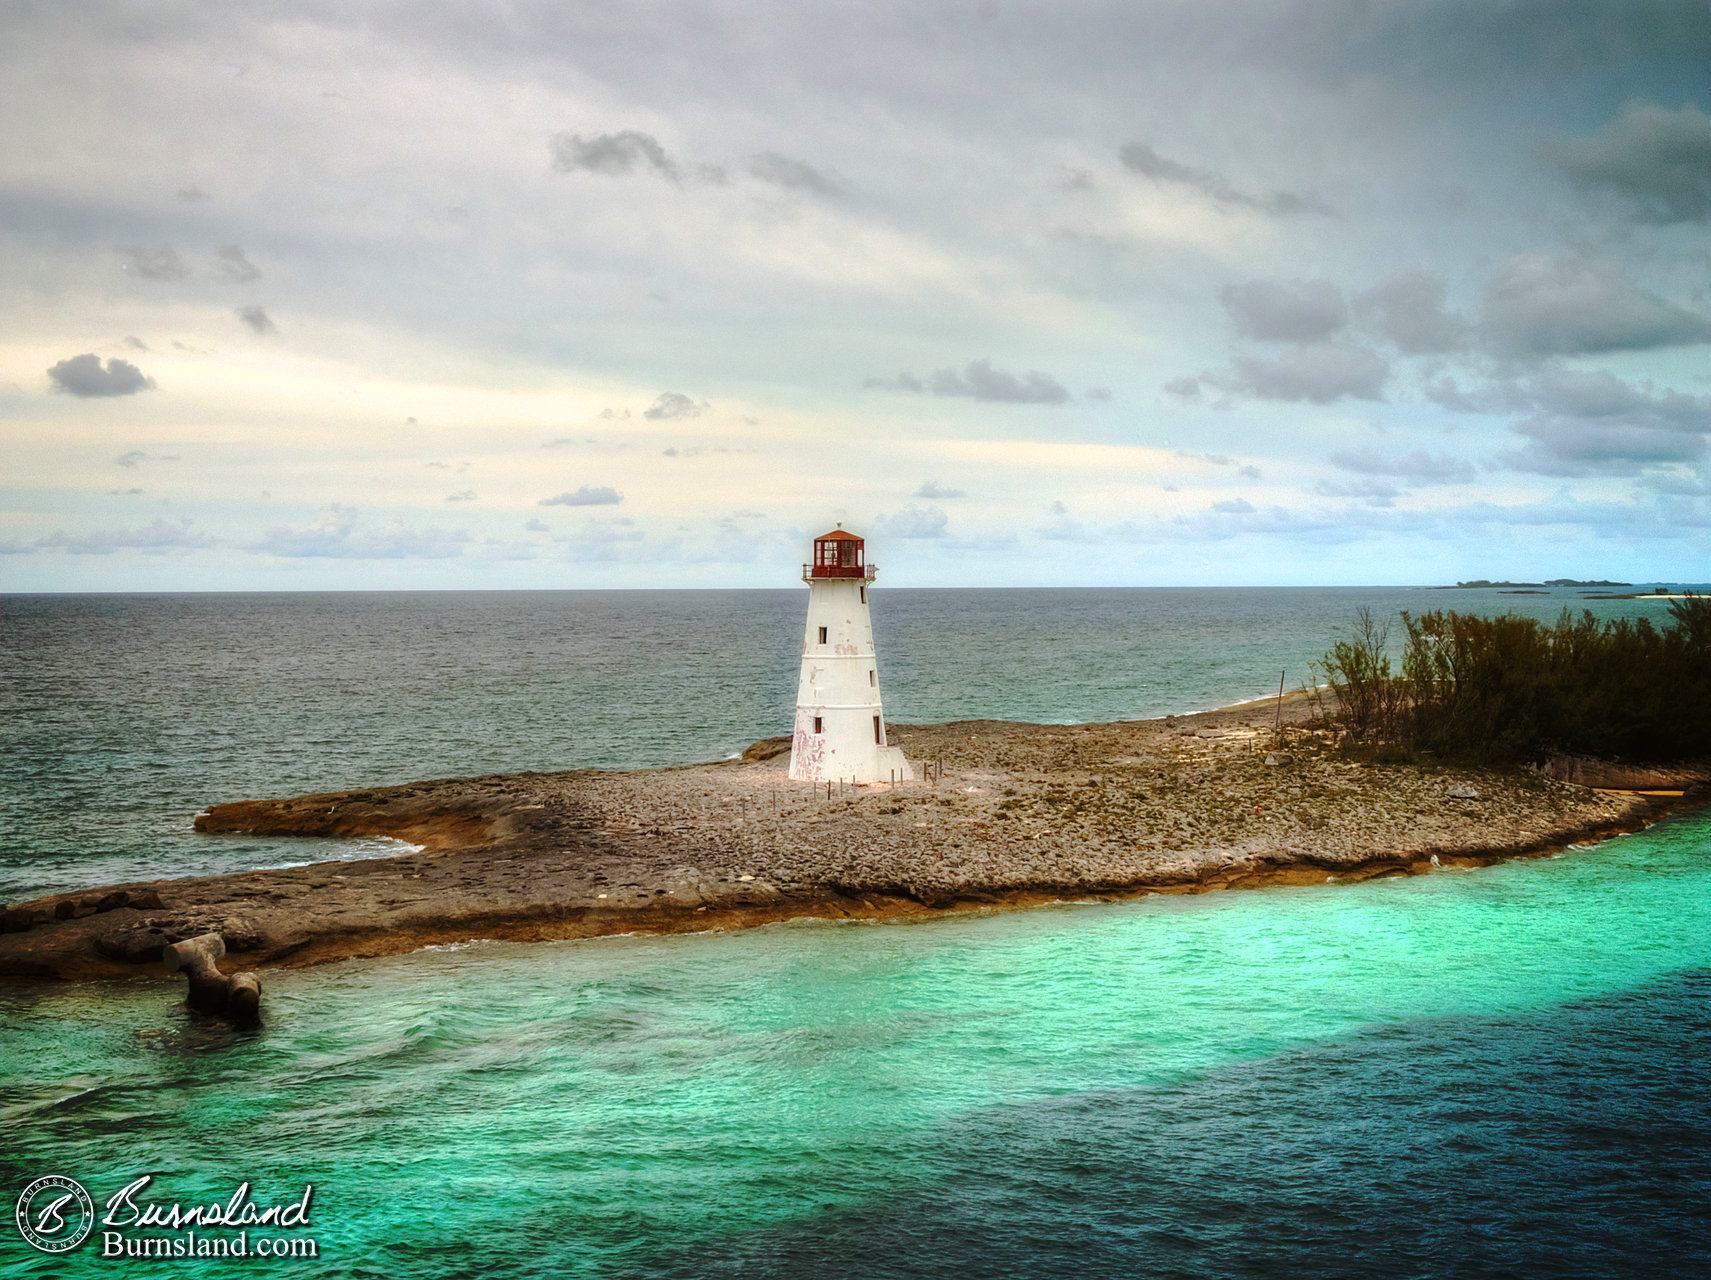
[[1548, 582]]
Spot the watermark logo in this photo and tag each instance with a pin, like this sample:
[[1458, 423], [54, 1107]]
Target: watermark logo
[[55, 1214]]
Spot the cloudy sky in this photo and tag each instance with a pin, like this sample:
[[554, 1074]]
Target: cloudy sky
[[592, 295]]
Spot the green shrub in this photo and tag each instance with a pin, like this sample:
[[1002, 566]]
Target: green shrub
[[1359, 671], [1501, 690]]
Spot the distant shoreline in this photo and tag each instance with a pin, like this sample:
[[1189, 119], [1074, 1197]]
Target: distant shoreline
[[1588, 590], [1024, 814]]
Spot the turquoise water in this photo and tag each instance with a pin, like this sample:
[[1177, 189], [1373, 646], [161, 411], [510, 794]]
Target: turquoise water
[[1495, 1072], [764, 1102]]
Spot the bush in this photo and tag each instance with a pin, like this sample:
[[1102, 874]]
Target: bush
[[1506, 689], [1359, 670]]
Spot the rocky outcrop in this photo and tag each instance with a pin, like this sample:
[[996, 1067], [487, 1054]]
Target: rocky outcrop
[[1010, 815], [418, 814]]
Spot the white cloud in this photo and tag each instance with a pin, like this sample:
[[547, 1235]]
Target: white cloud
[[934, 491], [611, 154], [1413, 468], [1595, 423], [978, 380], [1320, 374], [672, 405], [336, 534], [1539, 306], [1409, 311], [153, 262], [86, 377], [159, 537], [1655, 162], [1285, 311], [133, 458], [913, 522], [782, 171], [231, 264], [586, 496], [1141, 159]]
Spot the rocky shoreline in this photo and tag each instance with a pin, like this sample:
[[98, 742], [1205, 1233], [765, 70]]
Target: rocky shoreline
[[1019, 814]]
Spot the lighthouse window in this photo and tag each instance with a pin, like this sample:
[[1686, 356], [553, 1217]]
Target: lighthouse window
[[872, 680], [817, 724], [864, 594], [822, 635], [878, 733]]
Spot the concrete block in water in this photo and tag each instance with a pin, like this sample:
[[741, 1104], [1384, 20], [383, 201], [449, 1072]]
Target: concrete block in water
[[243, 995], [210, 991], [199, 952]]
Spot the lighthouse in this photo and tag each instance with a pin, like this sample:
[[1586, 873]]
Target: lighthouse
[[840, 721]]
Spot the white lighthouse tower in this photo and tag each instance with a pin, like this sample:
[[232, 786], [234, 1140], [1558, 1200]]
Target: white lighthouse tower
[[840, 722]]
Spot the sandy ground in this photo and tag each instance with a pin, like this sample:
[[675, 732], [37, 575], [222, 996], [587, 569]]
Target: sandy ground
[[1022, 814]]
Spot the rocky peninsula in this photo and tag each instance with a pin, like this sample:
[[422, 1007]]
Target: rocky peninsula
[[1011, 815]]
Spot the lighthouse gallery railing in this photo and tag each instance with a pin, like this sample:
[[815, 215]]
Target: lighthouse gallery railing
[[864, 572]]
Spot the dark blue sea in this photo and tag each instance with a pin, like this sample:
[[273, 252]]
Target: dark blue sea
[[1499, 1072]]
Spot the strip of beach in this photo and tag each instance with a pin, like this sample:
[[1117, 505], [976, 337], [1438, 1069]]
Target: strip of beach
[[1010, 815]]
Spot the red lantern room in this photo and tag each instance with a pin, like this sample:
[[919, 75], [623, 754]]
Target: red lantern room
[[838, 555]]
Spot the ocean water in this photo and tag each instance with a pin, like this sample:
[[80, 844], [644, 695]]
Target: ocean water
[[1500, 1072]]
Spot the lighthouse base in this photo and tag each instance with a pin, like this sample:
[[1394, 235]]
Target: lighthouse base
[[816, 758]]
